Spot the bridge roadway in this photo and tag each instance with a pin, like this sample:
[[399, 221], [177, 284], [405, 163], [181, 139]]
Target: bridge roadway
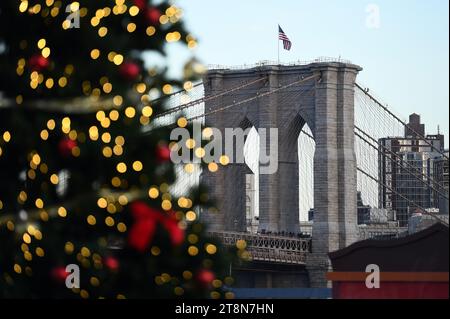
[[269, 248]]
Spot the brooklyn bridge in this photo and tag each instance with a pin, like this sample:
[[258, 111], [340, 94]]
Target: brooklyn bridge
[[331, 158]]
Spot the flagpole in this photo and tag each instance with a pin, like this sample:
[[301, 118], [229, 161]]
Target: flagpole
[[278, 42], [278, 52]]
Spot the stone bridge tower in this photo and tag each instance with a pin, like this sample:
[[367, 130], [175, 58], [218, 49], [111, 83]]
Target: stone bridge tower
[[326, 104]]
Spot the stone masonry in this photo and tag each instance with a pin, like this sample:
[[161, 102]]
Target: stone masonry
[[326, 104]]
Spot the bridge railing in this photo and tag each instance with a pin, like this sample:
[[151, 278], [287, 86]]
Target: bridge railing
[[269, 248], [269, 63]]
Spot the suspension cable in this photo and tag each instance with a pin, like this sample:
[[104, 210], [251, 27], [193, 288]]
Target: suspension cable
[[376, 180], [421, 137], [246, 100], [255, 97], [205, 99]]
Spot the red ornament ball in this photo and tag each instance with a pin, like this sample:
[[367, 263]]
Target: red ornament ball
[[65, 146], [163, 153], [153, 14], [59, 274], [112, 263], [38, 63], [205, 277], [129, 70], [141, 4]]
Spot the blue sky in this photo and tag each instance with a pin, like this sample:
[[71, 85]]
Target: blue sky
[[405, 59]]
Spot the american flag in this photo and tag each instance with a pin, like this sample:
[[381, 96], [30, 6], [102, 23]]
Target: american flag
[[287, 44]]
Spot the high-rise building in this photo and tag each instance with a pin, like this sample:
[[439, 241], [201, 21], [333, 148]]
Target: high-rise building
[[407, 170], [414, 128]]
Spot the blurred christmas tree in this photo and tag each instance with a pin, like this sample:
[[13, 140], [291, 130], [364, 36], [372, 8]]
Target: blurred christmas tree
[[80, 183]]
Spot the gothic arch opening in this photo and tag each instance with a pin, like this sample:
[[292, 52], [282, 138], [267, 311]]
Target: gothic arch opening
[[251, 154], [306, 149]]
